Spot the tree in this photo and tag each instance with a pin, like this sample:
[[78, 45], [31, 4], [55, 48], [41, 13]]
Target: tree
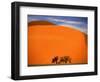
[[55, 60]]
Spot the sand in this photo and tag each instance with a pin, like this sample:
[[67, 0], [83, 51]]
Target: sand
[[47, 41]]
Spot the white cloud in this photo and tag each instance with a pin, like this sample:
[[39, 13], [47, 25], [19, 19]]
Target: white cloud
[[65, 21]]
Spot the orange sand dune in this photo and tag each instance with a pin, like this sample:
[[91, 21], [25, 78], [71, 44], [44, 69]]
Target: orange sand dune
[[47, 41], [40, 23]]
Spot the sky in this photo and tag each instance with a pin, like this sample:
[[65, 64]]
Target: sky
[[79, 23]]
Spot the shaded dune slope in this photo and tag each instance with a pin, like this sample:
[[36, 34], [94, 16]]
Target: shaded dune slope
[[40, 23]]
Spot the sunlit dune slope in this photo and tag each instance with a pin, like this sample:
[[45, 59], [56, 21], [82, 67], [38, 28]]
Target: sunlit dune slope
[[48, 40]]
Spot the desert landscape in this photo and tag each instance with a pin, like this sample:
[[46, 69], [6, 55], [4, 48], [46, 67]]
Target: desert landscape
[[47, 41]]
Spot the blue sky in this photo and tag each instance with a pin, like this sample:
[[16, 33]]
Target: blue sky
[[79, 23]]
